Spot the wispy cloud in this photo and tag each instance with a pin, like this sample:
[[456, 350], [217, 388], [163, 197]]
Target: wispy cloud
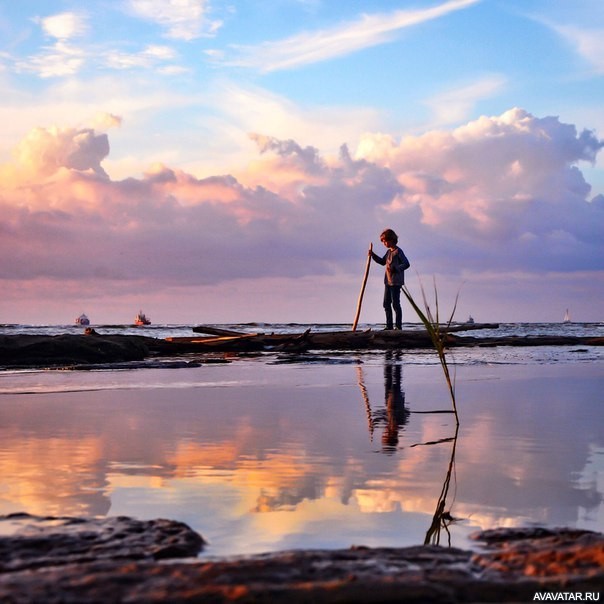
[[59, 60], [456, 105], [147, 58], [587, 42], [62, 58], [313, 47], [182, 19], [580, 25]]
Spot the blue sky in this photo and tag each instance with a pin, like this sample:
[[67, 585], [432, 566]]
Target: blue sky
[[183, 136]]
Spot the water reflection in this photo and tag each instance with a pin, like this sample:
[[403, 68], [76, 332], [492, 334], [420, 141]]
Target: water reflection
[[394, 415], [265, 457]]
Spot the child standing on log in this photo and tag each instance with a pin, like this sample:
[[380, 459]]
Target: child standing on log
[[396, 264]]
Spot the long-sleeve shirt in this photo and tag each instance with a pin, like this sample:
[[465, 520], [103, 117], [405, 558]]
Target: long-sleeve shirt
[[396, 264]]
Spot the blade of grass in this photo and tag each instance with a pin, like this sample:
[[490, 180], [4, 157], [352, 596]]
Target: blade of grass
[[438, 336]]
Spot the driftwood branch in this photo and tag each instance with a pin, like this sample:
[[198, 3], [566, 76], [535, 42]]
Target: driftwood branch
[[360, 300]]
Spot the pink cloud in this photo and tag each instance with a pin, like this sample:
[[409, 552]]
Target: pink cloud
[[500, 193], [44, 151]]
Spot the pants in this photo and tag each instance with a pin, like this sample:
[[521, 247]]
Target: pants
[[392, 301]]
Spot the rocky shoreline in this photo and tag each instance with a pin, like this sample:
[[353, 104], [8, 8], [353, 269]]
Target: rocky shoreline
[[68, 350], [122, 559]]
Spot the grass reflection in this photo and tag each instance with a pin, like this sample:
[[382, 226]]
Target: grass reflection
[[394, 416], [442, 515]]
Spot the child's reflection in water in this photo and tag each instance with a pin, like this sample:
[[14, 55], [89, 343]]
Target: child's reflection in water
[[395, 415]]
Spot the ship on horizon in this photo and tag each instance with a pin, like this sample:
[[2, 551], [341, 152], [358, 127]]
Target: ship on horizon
[[142, 319]]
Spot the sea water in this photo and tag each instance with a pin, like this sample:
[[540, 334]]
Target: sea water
[[258, 453]]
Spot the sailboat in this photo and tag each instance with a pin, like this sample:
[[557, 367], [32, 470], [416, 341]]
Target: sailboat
[[567, 317]]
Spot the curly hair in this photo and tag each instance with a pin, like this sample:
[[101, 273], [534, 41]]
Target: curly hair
[[389, 235]]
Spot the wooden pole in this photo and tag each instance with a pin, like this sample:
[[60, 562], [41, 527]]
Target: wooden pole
[[356, 317]]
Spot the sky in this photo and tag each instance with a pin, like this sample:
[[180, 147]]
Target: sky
[[231, 160]]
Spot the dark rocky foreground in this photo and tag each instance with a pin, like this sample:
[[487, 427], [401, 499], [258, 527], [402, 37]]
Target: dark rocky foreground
[[40, 350], [90, 561], [97, 349]]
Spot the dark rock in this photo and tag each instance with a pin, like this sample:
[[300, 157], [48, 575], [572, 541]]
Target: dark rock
[[39, 350], [59, 541], [119, 560], [570, 556]]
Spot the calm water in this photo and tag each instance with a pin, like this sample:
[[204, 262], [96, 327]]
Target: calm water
[[259, 454]]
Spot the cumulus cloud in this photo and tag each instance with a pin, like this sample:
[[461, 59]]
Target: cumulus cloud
[[505, 183], [313, 47], [308, 157], [64, 25], [249, 108], [105, 121], [501, 193], [44, 151]]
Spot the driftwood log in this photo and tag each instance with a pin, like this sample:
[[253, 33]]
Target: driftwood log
[[369, 339]]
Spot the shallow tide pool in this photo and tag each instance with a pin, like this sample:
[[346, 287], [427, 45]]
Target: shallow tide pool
[[259, 456]]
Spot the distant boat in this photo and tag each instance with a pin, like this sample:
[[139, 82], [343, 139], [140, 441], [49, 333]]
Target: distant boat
[[567, 317], [142, 319], [82, 320], [470, 320]]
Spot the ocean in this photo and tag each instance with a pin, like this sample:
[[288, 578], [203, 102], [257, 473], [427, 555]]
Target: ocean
[[266, 452], [167, 330]]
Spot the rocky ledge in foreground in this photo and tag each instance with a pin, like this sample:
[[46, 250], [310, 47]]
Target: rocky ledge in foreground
[[124, 560], [28, 350]]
